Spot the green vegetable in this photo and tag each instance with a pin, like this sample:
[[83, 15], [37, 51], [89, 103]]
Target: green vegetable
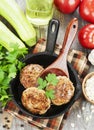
[[7, 38], [14, 15], [9, 65], [51, 78], [43, 83], [50, 94]]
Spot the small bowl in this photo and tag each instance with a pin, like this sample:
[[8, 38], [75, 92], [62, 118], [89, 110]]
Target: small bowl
[[88, 76]]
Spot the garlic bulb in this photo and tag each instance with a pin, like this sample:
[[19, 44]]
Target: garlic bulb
[[91, 57]]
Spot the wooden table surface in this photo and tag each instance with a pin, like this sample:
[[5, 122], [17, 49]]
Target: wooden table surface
[[82, 114]]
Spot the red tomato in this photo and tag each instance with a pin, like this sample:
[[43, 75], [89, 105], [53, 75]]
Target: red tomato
[[67, 6], [86, 10], [86, 36]]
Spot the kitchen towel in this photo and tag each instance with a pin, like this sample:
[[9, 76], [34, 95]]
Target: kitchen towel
[[79, 61]]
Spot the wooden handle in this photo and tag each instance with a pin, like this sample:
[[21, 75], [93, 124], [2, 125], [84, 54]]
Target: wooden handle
[[59, 66], [68, 39], [70, 33], [69, 36]]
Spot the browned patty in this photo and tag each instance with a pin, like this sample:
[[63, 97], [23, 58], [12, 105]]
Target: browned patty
[[29, 75], [63, 91], [35, 100]]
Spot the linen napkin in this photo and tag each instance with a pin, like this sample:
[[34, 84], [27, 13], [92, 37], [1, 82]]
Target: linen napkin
[[79, 61]]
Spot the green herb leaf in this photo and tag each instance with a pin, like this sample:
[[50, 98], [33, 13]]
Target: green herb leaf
[[50, 94], [1, 75], [42, 83], [9, 65], [20, 65], [52, 79], [4, 97]]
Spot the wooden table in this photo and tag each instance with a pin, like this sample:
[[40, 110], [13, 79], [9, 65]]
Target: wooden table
[[82, 114]]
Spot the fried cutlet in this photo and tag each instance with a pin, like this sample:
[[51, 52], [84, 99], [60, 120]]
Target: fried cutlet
[[63, 91], [29, 75], [35, 100]]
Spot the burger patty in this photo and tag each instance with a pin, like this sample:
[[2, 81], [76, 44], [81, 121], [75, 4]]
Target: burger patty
[[35, 100], [29, 75], [63, 91]]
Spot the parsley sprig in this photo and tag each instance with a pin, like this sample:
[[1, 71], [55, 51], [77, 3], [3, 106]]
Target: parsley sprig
[[52, 79], [10, 63], [43, 83]]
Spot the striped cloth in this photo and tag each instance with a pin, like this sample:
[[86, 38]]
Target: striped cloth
[[79, 61]]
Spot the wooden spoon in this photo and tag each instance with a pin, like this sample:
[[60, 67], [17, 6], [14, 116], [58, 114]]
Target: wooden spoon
[[59, 66]]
